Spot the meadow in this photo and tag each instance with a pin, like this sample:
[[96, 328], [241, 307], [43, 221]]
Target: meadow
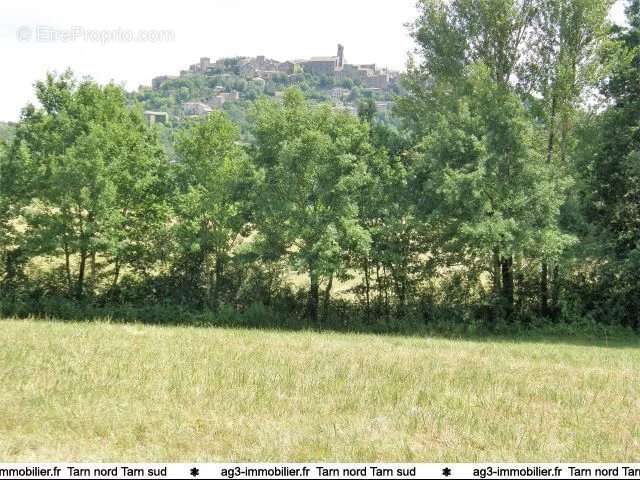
[[100, 391]]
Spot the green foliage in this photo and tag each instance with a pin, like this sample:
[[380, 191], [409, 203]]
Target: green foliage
[[490, 107], [612, 181], [6, 131], [211, 212], [484, 179], [87, 179], [311, 160], [500, 200]]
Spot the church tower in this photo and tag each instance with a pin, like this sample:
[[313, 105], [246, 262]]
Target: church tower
[[340, 56]]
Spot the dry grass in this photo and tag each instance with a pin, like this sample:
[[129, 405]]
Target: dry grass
[[103, 392]]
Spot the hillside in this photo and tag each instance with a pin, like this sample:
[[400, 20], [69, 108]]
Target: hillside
[[231, 84]]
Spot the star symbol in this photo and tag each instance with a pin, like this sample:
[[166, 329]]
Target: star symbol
[[446, 471], [195, 472]]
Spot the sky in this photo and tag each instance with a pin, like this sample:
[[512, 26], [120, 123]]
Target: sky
[[132, 41]]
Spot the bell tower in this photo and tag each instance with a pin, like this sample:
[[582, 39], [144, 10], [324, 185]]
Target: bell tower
[[340, 63]]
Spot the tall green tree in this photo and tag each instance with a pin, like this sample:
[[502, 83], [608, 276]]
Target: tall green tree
[[481, 179], [311, 163], [7, 230], [487, 187], [562, 66], [387, 212], [212, 210], [86, 178], [611, 169]]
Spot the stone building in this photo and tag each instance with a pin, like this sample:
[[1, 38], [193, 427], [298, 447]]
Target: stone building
[[287, 67], [217, 101], [376, 81], [324, 65], [230, 96], [195, 108], [320, 65], [205, 63], [156, 117], [268, 74], [334, 66]]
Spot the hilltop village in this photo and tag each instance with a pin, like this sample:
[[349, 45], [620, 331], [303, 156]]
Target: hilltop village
[[209, 85]]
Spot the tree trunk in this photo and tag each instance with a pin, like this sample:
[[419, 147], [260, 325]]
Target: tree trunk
[[507, 283], [544, 275], [555, 292], [314, 289], [367, 289], [497, 285], [378, 283], [81, 275], [67, 267], [399, 285], [116, 275], [217, 283], [552, 121], [544, 289], [495, 308], [385, 284], [92, 270], [327, 298]]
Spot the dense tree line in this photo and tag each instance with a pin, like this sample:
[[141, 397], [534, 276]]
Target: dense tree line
[[511, 193]]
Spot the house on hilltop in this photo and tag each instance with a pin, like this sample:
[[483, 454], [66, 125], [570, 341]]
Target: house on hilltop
[[368, 74], [324, 65], [262, 67]]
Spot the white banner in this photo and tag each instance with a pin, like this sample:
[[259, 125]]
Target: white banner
[[320, 470]]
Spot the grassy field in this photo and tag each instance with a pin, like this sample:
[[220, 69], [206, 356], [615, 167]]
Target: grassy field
[[107, 392]]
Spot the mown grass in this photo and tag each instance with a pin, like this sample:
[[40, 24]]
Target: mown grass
[[112, 392]]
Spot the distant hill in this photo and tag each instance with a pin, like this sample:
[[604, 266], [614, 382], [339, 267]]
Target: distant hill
[[231, 84]]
